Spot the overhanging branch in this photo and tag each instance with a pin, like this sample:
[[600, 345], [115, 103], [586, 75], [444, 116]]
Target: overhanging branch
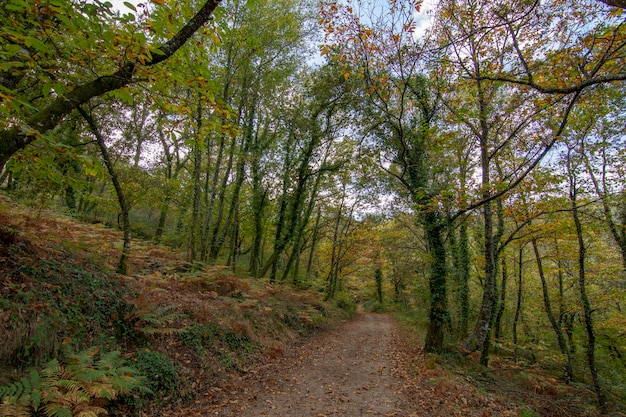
[[46, 119]]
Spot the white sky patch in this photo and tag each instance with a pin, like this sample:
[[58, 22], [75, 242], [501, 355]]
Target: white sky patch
[[424, 19], [119, 5]]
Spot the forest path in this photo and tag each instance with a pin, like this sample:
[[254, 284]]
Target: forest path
[[346, 371], [364, 367]]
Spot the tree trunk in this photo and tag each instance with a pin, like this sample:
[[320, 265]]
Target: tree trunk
[[587, 310], [197, 191], [216, 240], [303, 221], [378, 275], [331, 285], [122, 266], [518, 304], [463, 274], [501, 306], [158, 234], [567, 361], [438, 317], [212, 195], [309, 265], [566, 319]]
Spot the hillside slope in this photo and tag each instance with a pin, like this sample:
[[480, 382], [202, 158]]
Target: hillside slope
[[183, 330]]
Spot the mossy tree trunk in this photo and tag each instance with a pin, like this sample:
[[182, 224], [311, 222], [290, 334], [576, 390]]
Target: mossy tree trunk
[[582, 286]]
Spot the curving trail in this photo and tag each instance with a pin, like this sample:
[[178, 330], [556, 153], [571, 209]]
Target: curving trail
[[362, 368], [344, 372]]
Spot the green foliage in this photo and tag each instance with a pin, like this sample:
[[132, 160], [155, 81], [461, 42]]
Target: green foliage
[[71, 388], [346, 303], [155, 321], [375, 306], [159, 372], [197, 336], [378, 275], [238, 343], [227, 360], [74, 305]]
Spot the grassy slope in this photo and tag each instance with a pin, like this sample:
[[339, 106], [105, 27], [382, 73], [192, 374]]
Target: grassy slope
[[185, 331]]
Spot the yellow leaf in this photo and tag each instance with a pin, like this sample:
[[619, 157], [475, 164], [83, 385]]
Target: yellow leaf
[[159, 2]]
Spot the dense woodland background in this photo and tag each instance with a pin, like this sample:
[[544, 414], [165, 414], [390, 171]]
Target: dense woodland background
[[471, 173]]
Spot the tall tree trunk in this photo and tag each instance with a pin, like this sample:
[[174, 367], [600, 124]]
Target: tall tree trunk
[[214, 244], [567, 361], [331, 279], [566, 319], [501, 306], [290, 208], [296, 268], [482, 330], [582, 284], [258, 204], [518, 304], [158, 234], [212, 195], [235, 244], [438, 316], [316, 228], [218, 239], [197, 189], [463, 275], [378, 275], [303, 221], [122, 266]]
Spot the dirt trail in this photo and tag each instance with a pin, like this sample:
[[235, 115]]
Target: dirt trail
[[361, 368], [343, 372]]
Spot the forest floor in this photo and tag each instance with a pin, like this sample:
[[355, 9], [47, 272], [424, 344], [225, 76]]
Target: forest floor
[[365, 367]]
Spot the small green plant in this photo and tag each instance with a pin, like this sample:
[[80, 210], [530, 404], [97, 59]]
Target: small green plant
[[239, 343], [77, 387], [160, 373], [149, 321], [227, 360], [197, 336], [346, 303]]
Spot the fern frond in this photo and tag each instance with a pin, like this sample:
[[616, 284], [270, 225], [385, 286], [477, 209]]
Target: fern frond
[[67, 391], [83, 358], [51, 370], [109, 361], [101, 390], [14, 410], [35, 399], [156, 321], [68, 385], [91, 412], [56, 410]]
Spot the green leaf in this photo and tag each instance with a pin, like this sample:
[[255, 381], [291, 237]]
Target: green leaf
[[35, 399], [123, 95], [11, 50], [130, 6]]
